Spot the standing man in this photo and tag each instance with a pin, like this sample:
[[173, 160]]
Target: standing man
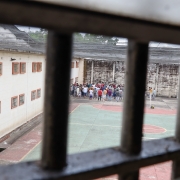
[[99, 94], [85, 91]]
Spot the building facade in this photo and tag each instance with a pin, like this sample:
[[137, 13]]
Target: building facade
[[162, 77], [21, 88]]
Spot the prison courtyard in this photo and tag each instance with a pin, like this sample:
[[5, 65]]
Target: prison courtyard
[[95, 125]]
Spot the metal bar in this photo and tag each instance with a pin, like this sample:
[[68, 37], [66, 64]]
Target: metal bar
[[56, 100], [71, 20], [99, 163], [176, 164], [135, 84]]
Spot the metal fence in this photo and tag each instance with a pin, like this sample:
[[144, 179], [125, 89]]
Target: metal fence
[[62, 21]]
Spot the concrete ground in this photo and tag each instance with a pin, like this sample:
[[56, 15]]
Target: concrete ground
[[95, 125]]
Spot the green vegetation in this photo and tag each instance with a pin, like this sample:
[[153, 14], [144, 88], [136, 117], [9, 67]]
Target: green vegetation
[[78, 37], [39, 35], [82, 37]]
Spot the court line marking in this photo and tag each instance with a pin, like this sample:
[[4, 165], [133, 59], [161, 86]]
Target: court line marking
[[74, 109], [30, 150], [94, 125]]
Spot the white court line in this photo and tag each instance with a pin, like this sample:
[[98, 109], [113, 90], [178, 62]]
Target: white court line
[[94, 125], [149, 138]]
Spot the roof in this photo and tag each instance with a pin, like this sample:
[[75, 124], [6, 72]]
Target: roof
[[11, 38], [96, 51]]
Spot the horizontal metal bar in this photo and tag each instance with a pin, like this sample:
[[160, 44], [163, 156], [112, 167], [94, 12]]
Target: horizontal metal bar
[[69, 20], [98, 163]]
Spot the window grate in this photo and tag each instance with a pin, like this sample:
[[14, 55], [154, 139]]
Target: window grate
[[133, 153], [21, 99], [22, 67], [14, 102], [15, 68], [33, 95], [1, 67]]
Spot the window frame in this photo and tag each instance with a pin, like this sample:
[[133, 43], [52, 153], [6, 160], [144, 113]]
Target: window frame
[[72, 64], [13, 72], [77, 64], [19, 99], [12, 102], [1, 72], [21, 63], [34, 70], [76, 78], [35, 95], [39, 70]]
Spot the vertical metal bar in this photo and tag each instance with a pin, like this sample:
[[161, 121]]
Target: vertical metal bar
[[56, 100], [176, 164], [135, 84]]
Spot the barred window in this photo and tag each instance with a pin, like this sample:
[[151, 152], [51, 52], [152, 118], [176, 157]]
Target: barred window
[[72, 64], [15, 68], [38, 93], [39, 66], [21, 99], [33, 95], [77, 64], [14, 102], [0, 68], [76, 79], [34, 67], [22, 67]]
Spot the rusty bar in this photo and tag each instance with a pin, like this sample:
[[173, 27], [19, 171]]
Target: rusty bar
[[135, 83], [73, 18], [56, 100], [97, 164], [176, 164]]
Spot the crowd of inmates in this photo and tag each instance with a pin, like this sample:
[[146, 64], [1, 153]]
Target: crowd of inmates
[[99, 91]]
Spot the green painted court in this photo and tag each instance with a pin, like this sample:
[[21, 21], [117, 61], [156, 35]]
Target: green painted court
[[96, 125]]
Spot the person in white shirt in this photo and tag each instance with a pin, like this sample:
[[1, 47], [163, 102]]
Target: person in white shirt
[[85, 91], [90, 94]]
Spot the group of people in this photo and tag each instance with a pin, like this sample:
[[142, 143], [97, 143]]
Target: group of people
[[98, 91]]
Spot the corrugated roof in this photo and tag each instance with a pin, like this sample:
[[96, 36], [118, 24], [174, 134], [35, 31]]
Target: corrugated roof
[[22, 42]]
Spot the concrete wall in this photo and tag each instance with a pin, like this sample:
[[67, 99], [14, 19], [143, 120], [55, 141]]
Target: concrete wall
[[81, 71], [163, 77], [74, 71], [14, 85]]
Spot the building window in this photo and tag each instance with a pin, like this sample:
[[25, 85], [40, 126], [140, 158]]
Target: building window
[[76, 79], [22, 67], [21, 99], [38, 93], [34, 67], [77, 64], [0, 68], [39, 66], [14, 102], [72, 64], [33, 95], [71, 81], [15, 68]]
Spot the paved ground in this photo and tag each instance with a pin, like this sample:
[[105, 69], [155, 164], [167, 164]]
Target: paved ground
[[94, 125]]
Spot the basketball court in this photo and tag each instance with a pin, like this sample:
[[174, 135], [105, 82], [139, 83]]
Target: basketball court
[[94, 125]]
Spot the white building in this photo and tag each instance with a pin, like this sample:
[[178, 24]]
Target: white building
[[22, 69]]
